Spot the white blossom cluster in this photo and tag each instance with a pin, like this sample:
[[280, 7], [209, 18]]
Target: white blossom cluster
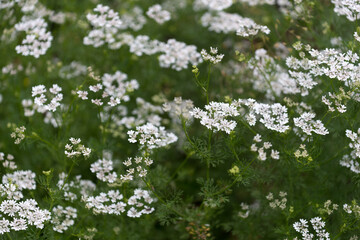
[[8, 161], [174, 54], [40, 98], [318, 225], [179, 108], [37, 40], [74, 69], [259, 2], [106, 23], [329, 62], [214, 5], [137, 165], [215, 116], [177, 55], [150, 136], [23, 179], [13, 184], [63, 218], [356, 36], [142, 44], [133, 19], [232, 22], [110, 203], [348, 8], [308, 125], [145, 112], [261, 150], [270, 77], [12, 69], [75, 188], [301, 152], [350, 161], [337, 101], [139, 203], [21, 214], [113, 87], [352, 208], [211, 57], [157, 13], [75, 149], [274, 116], [355, 141], [10, 191], [50, 118], [18, 134], [280, 202], [245, 210], [104, 170]]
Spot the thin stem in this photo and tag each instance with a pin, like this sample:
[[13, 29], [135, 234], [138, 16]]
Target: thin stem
[[180, 166], [207, 85], [208, 159], [8, 235]]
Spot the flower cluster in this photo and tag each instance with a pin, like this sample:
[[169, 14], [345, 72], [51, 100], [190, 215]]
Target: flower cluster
[[22, 179], [18, 134], [110, 203], [74, 69], [215, 5], [177, 55], [328, 208], [158, 14], [104, 170], [139, 203], [318, 225], [274, 116], [349, 8], [352, 208], [350, 161], [22, 214], [215, 114], [114, 87], [270, 77], [106, 203], [40, 98], [338, 100], [232, 22], [245, 210], [329, 62], [137, 165], [75, 188], [63, 218], [280, 203], [261, 150], [106, 24], [37, 40], [211, 57], [8, 161], [134, 19], [75, 149], [179, 108], [151, 136], [308, 125]]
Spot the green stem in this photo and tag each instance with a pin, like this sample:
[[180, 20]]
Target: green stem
[[207, 85], [180, 166], [8, 235], [208, 159]]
